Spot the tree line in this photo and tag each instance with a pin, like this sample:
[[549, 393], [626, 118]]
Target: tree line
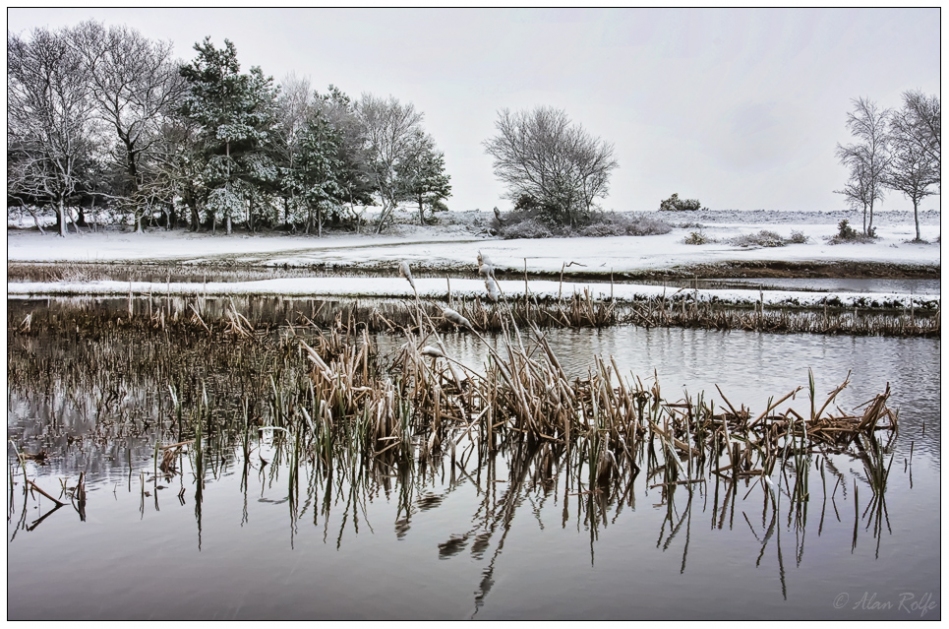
[[104, 119], [895, 150], [101, 119]]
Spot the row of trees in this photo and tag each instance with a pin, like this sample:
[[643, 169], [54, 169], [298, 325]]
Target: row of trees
[[896, 150], [103, 117]]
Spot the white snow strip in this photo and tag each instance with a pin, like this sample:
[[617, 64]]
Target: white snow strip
[[437, 289], [617, 254]]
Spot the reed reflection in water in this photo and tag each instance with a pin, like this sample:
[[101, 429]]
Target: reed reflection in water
[[490, 514]]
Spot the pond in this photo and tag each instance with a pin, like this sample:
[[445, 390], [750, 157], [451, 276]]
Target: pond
[[239, 527]]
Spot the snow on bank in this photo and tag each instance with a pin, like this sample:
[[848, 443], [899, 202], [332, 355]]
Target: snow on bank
[[188, 247], [457, 250], [437, 289]]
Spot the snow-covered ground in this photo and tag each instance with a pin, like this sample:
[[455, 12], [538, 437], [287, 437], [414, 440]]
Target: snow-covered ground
[[436, 248], [456, 249]]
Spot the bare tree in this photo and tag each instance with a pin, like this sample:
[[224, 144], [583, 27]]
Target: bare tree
[[178, 164], [914, 167], [388, 127], [868, 160], [918, 123], [857, 191], [49, 118], [136, 87], [541, 155]]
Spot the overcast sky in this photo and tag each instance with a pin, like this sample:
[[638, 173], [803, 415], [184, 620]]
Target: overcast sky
[[739, 108]]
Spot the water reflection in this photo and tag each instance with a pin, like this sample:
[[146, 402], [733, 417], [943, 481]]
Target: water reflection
[[194, 444], [511, 485]]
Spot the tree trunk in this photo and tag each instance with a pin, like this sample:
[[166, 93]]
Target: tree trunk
[[36, 219], [916, 218], [227, 185], [352, 208], [195, 217], [864, 219], [61, 212], [870, 224], [384, 216]]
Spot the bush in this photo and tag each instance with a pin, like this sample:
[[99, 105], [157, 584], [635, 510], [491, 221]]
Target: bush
[[528, 228], [797, 238], [697, 238], [846, 233], [644, 225], [604, 224], [764, 238], [522, 223], [603, 229], [675, 204]]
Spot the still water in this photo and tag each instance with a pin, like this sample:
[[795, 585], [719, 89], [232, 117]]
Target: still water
[[480, 539]]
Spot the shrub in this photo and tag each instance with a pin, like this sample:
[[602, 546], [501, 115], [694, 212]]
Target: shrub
[[645, 225], [603, 229], [845, 231], [604, 224], [675, 204], [764, 238], [522, 223], [797, 238], [697, 238], [528, 228]]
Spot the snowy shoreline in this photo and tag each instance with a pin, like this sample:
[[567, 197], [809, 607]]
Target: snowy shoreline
[[454, 247], [437, 289]]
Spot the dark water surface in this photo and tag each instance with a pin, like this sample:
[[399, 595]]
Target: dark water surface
[[465, 537]]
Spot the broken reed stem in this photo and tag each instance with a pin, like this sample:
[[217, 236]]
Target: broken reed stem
[[37, 488]]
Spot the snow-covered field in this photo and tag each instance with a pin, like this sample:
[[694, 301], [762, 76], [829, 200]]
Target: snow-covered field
[[456, 247]]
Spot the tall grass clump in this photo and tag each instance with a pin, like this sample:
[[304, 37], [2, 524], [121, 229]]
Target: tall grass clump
[[350, 423]]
